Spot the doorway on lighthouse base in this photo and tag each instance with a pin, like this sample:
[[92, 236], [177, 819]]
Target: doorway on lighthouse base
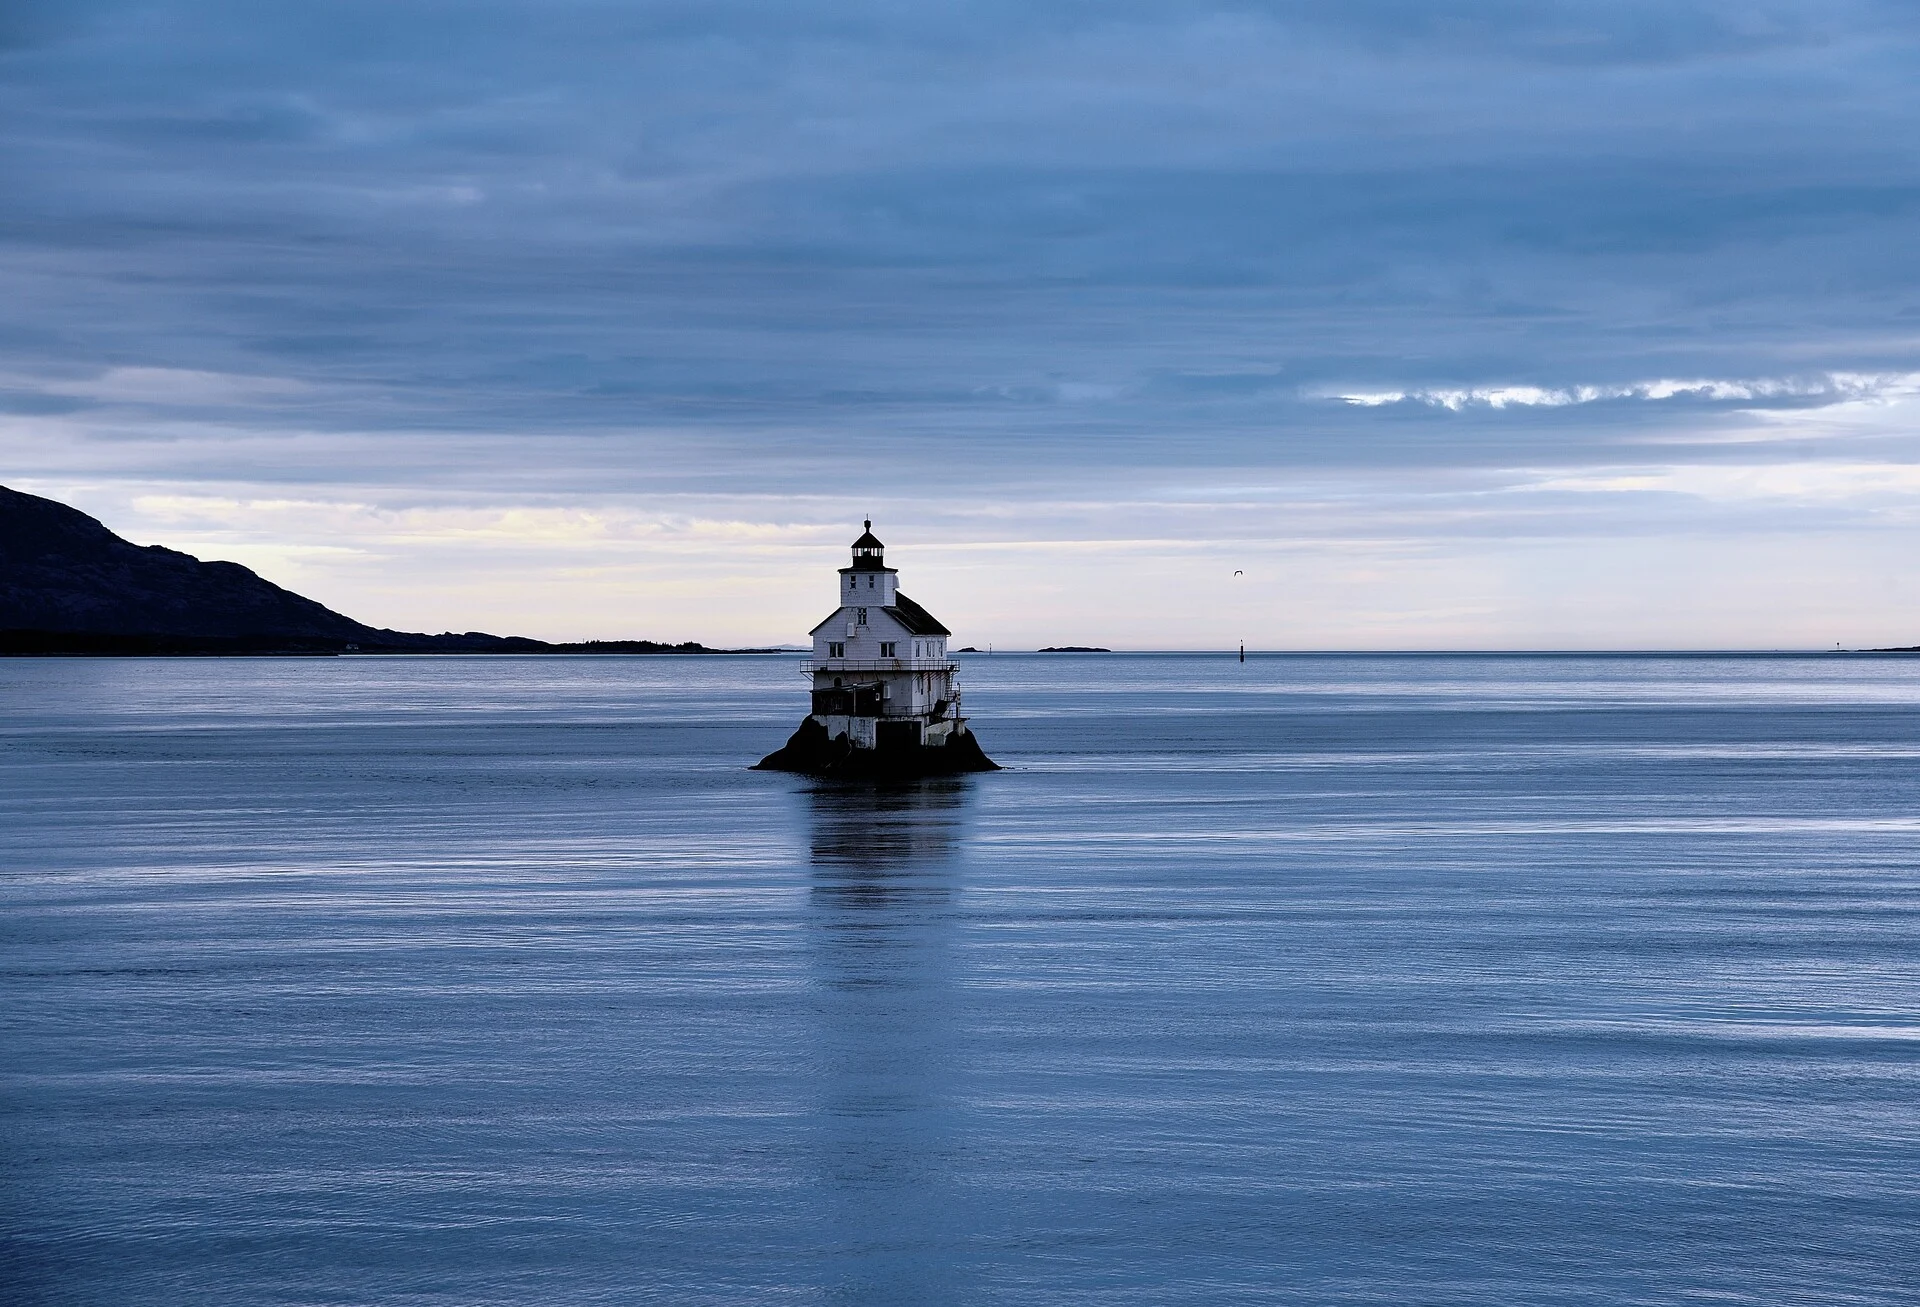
[[897, 735]]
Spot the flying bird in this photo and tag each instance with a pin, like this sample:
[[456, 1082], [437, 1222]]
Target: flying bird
[[1239, 573]]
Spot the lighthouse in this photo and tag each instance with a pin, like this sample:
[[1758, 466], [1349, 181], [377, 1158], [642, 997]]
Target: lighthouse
[[885, 700]]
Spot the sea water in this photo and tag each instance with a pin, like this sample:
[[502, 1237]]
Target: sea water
[[1319, 979]]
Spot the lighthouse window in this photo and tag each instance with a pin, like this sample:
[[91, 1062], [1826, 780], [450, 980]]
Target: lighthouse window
[[836, 649], [861, 618], [887, 648]]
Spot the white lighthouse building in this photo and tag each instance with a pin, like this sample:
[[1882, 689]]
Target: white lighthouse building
[[885, 700], [880, 670]]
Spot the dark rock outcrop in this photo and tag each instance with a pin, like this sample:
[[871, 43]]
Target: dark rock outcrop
[[811, 751]]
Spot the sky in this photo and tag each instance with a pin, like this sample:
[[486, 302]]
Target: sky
[[1388, 324]]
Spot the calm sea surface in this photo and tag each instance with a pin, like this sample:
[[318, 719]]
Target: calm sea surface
[[1396, 980]]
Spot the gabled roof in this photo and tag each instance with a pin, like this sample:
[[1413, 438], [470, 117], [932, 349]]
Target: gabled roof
[[880, 616], [911, 617], [916, 619]]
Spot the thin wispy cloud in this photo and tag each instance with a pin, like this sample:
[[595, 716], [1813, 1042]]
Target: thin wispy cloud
[[1790, 391]]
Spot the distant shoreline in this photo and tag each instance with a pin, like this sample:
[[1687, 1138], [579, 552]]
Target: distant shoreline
[[92, 644], [45, 644]]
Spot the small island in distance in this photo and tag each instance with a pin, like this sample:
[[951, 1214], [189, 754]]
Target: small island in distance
[[68, 585], [1074, 648]]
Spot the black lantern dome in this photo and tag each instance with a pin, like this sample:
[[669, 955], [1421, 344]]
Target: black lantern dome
[[868, 552]]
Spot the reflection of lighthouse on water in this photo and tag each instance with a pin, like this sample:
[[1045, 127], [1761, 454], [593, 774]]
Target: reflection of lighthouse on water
[[889, 1137]]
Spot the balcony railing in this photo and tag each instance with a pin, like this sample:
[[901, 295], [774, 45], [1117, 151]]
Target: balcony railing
[[879, 665]]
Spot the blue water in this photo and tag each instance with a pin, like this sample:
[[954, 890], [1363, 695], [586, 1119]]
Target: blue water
[[1475, 980]]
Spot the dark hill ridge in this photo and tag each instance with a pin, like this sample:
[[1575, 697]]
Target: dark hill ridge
[[69, 585], [61, 570]]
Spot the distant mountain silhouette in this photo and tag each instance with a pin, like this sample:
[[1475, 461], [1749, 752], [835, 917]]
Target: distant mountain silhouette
[[69, 585]]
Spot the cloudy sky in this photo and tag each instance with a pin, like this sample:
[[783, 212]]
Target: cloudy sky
[[1501, 323]]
